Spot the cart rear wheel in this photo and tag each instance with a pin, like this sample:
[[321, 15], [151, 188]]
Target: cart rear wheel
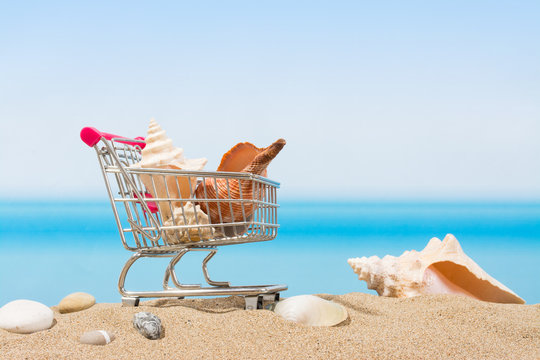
[[259, 301], [130, 301]]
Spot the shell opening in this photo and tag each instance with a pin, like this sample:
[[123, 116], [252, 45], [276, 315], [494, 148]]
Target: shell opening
[[451, 278]]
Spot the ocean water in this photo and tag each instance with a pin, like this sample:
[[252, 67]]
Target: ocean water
[[50, 249]]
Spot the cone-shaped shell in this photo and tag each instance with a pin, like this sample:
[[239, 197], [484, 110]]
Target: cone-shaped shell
[[311, 310], [160, 153], [441, 268], [220, 212]]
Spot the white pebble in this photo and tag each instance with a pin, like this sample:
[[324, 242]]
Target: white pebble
[[25, 316]]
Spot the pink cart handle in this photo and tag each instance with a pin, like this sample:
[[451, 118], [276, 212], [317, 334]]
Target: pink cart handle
[[91, 137]]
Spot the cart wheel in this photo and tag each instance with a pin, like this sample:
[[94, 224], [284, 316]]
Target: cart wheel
[[130, 301], [253, 302], [271, 297]]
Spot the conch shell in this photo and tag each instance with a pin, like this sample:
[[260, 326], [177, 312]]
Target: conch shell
[[189, 214], [311, 310], [207, 190], [160, 153], [441, 268], [240, 156]]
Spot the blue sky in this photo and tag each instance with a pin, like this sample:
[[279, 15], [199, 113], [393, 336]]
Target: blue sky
[[393, 99]]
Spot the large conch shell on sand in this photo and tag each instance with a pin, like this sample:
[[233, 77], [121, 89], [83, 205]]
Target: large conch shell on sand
[[237, 189], [160, 153], [441, 268]]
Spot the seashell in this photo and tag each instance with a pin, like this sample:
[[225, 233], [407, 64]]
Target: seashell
[[97, 337], [207, 189], [148, 324], [160, 153], [235, 160], [441, 268], [239, 156], [311, 310], [188, 214]]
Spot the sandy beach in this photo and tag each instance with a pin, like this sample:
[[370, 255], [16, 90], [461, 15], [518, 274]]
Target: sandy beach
[[427, 327]]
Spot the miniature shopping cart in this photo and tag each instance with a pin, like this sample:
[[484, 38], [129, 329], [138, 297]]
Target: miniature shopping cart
[[170, 223]]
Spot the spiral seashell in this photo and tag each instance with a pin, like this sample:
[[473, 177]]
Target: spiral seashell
[[220, 212], [441, 268], [311, 310], [148, 324], [161, 154]]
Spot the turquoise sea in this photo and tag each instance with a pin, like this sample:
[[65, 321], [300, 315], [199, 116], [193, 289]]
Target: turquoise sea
[[50, 249]]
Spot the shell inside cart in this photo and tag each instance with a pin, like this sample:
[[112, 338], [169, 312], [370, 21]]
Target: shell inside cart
[[159, 213]]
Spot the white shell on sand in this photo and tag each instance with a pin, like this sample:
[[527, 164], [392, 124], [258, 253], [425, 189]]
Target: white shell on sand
[[311, 310], [25, 316], [188, 215], [441, 268], [97, 337], [160, 153], [76, 302]]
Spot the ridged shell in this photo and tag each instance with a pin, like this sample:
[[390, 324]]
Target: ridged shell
[[148, 324], [160, 153], [240, 156], [236, 189], [189, 215], [311, 310], [441, 268]]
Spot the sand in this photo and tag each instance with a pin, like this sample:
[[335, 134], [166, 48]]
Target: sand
[[427, 327]]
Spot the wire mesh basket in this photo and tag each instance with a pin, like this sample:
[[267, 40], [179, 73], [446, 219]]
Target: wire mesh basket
[[169, 212]]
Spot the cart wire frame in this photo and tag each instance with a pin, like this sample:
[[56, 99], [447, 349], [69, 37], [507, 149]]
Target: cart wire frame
[[160, 226]]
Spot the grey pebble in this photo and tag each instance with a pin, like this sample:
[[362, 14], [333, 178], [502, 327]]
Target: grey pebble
[[148, 324]]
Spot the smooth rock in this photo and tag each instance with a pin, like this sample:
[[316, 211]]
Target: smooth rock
[[25, 316], [148, 324], [97, 337], [76, 302]]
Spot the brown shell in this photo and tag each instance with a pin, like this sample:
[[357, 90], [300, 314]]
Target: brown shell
[[222, 212], [239, 156]]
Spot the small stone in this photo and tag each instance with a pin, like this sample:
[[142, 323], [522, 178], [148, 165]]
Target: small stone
[[76, 302], [97, 337], [25, 316], [148, 324]]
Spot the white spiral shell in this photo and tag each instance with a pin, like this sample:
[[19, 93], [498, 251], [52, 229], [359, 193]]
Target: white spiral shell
[[160, 153]]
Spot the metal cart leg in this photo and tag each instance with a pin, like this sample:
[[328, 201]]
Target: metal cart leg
[[170, 272], [255, 295], [127, 300], [205, 271]]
